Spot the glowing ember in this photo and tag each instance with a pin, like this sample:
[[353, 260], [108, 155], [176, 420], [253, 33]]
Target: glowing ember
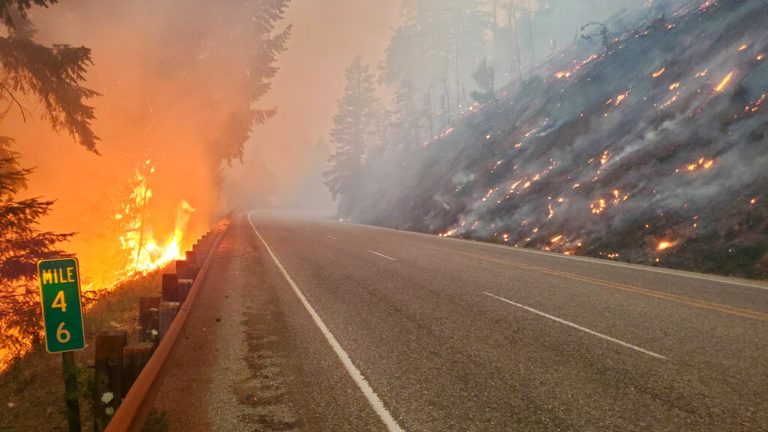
[[556, 238], [753, 201], [598, 206], [674, 86], [760, 57], [664, 245], [659, 72], [700, 164], [621, 97], [724, 82], [743, 47], [449, 233], [702, 73]]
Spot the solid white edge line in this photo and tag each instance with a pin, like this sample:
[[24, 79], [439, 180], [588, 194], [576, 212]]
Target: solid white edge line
[[331, 237], [354, 373], [381, 255], [630, 266], [576, 326]]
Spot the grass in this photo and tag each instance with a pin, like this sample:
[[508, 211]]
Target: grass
[[32, 391]]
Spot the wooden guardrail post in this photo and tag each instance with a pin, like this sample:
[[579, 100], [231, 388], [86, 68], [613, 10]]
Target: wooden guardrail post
[[182, 269], [191, 258], [183, 288], [168, 312], [135, 356], [149, 312], [108, 376], [170, 287]]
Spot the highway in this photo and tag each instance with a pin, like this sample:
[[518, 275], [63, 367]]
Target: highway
[[315, 325]]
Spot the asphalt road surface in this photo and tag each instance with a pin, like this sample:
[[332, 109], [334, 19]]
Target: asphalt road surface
[[315, 325]]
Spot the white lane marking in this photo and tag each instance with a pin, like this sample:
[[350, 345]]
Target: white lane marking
[[590, 260], [331, 237], [357, 376], [576, 326], [381, 255]]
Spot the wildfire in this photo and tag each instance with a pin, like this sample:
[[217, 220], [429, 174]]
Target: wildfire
[[145, 252], [724, 82], [449, 233], [700, 164], [598, 206], [754, 106]]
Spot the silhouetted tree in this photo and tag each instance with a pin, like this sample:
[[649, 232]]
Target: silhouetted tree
[[52, 77], [22, 244], [484, 77], [355, 129], [436, 49]]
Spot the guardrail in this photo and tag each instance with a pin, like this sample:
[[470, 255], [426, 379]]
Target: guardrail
[[128, 377]]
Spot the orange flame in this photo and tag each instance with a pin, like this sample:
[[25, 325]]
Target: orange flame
[[724, 82], [145, 252], [664, 245]]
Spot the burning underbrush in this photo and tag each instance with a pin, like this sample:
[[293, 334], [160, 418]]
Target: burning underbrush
[[648, 147]]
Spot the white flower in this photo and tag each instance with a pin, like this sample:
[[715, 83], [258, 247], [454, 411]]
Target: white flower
[[109, 411], [11, 404], [107, 397], [154, 332]]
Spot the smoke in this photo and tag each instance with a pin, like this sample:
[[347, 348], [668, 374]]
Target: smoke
[[286, 156], [177, 80], [646, 146]]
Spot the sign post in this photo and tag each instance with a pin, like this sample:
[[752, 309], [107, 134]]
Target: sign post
[[63, 320]]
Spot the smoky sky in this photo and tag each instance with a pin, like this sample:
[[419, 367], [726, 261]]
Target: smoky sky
[[169, 72]]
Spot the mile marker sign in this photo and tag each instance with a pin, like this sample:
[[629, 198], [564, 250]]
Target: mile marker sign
[[60, 297]]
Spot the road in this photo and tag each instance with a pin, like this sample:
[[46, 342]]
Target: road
[[315, 325]]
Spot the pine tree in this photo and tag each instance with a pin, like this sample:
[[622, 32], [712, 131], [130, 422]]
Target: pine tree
[[436, 50], [51, 76], [259, 24], [355, 130], [22, 244]]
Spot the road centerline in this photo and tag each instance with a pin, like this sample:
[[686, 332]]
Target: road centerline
[[382, 255], [357, 376], [578, 327], [732, 310], [331, 237]]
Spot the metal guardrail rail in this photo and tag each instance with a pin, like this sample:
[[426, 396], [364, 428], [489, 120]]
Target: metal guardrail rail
[[138, 402]]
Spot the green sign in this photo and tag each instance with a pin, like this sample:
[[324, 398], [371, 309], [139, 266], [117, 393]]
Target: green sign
[[60, 296]]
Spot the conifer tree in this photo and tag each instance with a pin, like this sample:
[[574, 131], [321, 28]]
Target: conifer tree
[[355, 128], [50, 77]]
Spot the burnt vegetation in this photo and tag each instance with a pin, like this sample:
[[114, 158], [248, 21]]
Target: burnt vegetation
[[643, 140]]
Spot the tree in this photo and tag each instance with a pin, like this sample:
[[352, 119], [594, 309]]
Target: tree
[[436, 49], [51, 76], [483, 76], [355, 128], [22, 244]]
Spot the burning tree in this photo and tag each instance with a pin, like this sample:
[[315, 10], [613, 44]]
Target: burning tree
[[51, 76]]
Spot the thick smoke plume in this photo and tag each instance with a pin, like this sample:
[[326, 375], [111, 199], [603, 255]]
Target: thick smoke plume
[[178, 80]]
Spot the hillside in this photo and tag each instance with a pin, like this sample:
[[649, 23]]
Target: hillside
[[645, 144]]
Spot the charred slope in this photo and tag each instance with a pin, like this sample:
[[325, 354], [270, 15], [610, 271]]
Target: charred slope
[[650, 147]]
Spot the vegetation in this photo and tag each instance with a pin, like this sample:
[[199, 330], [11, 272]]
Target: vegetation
[[52, 76], [31, 391]]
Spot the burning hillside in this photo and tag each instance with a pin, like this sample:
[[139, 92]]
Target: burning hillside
[[644, 145]]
